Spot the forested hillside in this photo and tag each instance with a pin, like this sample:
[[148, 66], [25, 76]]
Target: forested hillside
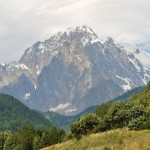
[[13, 114], [27, 137], [134, 114]]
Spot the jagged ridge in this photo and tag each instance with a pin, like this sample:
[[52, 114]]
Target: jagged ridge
[[73, 70]]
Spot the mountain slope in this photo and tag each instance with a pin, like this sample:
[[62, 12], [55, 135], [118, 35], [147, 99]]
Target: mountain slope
[[74, 70], [64, 122], [13, 114], [135, 115], [128, 94]]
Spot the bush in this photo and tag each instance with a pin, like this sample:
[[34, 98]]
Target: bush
[[85, 125], [136, 124], [101, 127], [68, 136]]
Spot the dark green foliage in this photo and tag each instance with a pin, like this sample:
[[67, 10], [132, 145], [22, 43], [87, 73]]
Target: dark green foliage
[[85, 125], [30, 138], [10, 142], [53, 135], [3, 137], [25, 137], [117, 115], [102, 110], [13, 114], [89, 122], [7, 141], [61, 135], [36, 142], [134, 114], [44, 140], [136, 111], [68, 136], [77, 130], [136, 123], [103, 125]]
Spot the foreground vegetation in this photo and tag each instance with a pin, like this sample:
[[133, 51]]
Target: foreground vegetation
[[119, 139], [119, 125], [134, 114], [106, 122], [30, 138]]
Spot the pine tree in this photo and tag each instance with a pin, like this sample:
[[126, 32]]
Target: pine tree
[[45, 140], [36, 143]]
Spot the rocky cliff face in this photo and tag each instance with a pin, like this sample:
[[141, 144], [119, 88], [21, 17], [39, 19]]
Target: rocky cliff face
[[73, 70]]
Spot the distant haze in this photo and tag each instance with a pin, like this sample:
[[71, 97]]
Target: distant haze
[[23, 22]]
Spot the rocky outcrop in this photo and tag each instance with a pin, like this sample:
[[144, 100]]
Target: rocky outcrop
[[73, 70]]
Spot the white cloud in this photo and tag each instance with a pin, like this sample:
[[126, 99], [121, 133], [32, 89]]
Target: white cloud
[[23, 22]]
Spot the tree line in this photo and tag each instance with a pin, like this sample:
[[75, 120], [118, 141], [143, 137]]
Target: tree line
[[30, 138], [134, 114], [14, 114]]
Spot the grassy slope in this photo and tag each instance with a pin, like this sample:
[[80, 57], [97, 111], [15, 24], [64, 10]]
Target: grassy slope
[[119, 139]]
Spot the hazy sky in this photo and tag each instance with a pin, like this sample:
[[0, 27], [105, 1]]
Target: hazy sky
[[23, 22]]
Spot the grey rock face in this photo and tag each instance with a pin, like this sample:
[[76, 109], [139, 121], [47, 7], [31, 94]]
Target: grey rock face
[[73, 70]]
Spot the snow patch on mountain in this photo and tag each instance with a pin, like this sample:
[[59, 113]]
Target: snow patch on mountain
[[59, 107], [26, 96], [126, 86], [142, 56], [129, 48], [134, 62], [70, 110]]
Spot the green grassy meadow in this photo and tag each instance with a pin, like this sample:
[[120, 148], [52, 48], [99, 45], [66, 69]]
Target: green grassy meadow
[[119, 139]]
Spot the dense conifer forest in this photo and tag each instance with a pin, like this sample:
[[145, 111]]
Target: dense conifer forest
[[13, 114]]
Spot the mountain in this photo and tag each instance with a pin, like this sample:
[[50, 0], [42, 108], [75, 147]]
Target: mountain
[[128, 94], [73, 70], [113, 122], [144, 46], [14, 114], [64, 122]]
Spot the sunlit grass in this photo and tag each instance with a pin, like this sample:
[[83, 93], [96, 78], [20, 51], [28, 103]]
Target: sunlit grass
[[119, 139]]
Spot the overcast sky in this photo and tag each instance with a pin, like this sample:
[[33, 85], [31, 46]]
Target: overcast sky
[[23, 22]]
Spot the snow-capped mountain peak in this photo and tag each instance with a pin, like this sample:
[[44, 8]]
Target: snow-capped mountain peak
[[140, 55], [74, 69], [129, 48]]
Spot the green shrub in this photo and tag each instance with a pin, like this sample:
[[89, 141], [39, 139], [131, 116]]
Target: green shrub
[[137, 123], [85, 125]]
